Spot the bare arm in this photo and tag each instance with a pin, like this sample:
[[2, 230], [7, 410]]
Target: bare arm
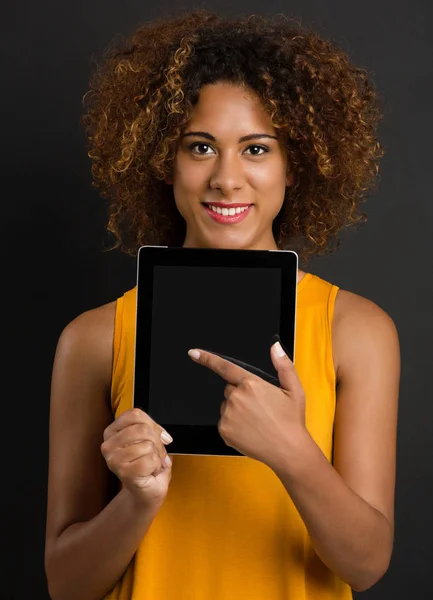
[[89, 543], [348, 508]]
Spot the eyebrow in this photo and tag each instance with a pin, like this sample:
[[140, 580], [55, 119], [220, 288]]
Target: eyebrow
[[245, 138]]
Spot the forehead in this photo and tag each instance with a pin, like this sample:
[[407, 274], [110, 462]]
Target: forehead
[[225, 108]]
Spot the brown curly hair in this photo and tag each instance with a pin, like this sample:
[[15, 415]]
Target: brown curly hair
[[142, 93]]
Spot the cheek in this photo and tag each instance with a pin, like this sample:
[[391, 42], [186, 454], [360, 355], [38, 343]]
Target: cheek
[[271, 182], [188, 178], [181, 186], [188, 185]]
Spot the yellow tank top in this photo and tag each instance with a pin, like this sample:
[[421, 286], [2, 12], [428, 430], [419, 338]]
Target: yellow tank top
[[228, 529]]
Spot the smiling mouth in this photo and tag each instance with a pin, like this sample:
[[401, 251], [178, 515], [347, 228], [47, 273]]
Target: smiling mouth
[[227, 215], [227, 211]]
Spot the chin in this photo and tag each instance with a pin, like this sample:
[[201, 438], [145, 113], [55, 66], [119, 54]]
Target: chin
[[234, 240], [225, 241]]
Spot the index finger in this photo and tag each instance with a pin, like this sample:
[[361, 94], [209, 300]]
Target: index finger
[[133, 416], [224, 368]]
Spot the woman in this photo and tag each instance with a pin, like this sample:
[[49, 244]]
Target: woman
[[194, 112]]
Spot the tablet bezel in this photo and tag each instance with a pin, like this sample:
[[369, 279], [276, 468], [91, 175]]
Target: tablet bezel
[[201, 439]]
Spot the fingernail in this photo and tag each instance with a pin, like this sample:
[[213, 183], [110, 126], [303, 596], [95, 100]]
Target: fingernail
[[279, 350], [194, 354], [167, 461], [166, 437]]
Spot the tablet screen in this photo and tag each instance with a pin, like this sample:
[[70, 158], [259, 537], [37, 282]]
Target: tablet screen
[[227, 310], [229, 302]]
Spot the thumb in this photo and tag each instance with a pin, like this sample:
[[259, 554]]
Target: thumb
[[283, 365]]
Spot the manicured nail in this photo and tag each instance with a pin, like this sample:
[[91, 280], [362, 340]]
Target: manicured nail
[[279, 350], [167, 461], [194, 354], [166, 437]]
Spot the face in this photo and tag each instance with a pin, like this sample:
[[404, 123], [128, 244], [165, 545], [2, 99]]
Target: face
[[230, 171]]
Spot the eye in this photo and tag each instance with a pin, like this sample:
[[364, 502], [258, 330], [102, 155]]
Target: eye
[[257, 149], [200, 146]]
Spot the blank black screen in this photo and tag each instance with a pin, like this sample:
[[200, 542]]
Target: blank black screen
[[228, 310]]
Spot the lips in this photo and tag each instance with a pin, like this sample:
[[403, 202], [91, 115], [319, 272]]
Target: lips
[[228, 205], [227, 213]]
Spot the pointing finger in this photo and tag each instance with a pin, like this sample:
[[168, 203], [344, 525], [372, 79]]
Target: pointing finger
[[227, 370]]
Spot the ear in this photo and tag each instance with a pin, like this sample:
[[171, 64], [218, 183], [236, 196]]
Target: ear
[[290, 179], [168, 179]]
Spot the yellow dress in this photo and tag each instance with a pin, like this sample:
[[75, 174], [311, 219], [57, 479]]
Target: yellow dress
[[228, 529]]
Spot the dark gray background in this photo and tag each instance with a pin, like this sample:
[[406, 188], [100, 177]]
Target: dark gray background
[[53, 234]]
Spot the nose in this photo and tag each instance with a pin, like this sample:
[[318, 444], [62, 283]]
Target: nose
[[228, 175]]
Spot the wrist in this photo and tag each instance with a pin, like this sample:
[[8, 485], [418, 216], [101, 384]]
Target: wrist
[[139, 506], [291, 451]]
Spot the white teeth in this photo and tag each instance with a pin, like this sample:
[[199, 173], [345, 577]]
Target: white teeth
[[228, 211]]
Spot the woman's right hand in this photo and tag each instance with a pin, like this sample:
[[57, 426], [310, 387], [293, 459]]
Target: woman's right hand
[[134, 451]]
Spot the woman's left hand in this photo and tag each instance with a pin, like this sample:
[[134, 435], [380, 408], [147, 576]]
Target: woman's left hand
[[259, 419]]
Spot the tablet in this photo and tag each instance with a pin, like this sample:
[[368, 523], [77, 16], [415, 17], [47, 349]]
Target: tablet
[[230, 302]]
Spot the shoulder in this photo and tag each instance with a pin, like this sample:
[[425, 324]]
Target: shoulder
[[95, 326], [361, 331], [88, 340]]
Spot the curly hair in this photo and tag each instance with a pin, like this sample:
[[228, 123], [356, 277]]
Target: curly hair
[[141, 95]]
